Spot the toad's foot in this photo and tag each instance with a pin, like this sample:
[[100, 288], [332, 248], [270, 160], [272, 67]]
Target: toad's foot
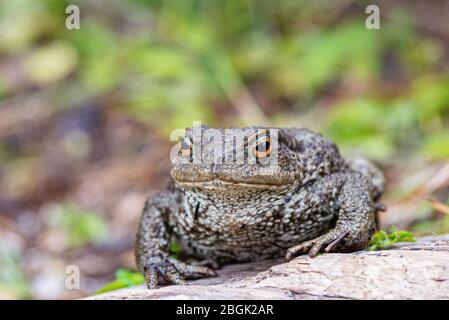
[[313, 247], [355, 223], [174, 272]]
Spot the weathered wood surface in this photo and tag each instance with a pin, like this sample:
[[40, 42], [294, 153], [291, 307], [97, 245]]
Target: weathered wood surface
[[417, 270]]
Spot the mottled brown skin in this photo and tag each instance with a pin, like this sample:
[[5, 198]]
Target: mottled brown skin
[[315, 201]]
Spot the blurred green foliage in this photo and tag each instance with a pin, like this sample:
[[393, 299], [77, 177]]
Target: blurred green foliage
[[79, 226], [165, 63], [168, 62], [12, 277], [434, 225], [431, 226]]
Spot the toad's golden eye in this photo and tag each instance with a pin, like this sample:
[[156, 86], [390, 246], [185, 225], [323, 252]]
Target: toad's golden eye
[[186, 147], [263, 146]]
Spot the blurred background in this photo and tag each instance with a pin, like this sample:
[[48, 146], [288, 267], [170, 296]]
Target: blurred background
[[85, 115]]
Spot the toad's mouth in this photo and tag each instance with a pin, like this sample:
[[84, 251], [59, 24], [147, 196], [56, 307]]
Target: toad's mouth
[[222, 184], [219, 178]]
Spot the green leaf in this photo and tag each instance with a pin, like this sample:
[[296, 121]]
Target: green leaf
[[124, 278], [382, 239], [175, 249]]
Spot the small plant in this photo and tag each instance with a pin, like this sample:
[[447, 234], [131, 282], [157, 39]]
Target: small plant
[[175, 250], [124, 278], [382, 239]]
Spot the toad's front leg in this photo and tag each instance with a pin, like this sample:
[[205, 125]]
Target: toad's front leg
[[153, 245], [355, 223]]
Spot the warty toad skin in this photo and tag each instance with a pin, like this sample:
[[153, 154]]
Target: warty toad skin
[[314, 201]]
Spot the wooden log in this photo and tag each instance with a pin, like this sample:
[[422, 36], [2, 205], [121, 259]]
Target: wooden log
[[418, 270]]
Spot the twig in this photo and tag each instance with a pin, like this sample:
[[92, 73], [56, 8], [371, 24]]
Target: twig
[[438, 206]]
